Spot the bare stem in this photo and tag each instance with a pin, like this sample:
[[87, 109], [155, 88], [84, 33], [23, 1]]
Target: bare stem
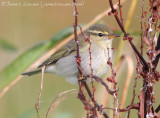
[[37, 105]]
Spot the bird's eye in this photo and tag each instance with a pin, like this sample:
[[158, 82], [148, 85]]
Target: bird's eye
[[100, 34]]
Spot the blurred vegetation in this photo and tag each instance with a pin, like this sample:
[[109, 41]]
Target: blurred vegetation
[[23, 29], [5, 45], [30, 56]]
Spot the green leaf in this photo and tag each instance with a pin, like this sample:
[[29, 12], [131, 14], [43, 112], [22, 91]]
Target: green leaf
[[19, 65], [4, 44]]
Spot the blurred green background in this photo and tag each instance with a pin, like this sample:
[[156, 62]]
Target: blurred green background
[[23, 27]]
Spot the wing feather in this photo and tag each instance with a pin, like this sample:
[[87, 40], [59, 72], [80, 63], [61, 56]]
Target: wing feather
[[70, 48]]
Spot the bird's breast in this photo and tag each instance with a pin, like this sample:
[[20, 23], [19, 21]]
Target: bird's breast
[[99, 58]]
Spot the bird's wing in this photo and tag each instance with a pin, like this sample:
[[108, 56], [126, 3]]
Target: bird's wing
[[63, 52], [70, 48]]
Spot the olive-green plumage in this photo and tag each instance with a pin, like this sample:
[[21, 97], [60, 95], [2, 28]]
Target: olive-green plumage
[[63, 62], [70, 48]]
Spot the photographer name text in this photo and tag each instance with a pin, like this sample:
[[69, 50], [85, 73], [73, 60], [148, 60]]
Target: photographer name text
[[41, 4]]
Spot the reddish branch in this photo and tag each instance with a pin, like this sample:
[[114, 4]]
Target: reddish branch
[[112, 80], [93, 88], [82, 81], [120, 11], [135, 84], [102, 82], [145, 95], [155, 62], [114, 11], [157, 109], [78, 58], [96, 78], [127, 36], [142, 18], [133, 106], [92, 98], [148, 72]]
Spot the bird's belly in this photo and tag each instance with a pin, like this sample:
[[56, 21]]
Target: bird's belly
[[98, 63], [67, 66]]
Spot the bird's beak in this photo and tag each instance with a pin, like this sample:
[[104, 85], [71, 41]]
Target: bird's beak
[[113, 35]]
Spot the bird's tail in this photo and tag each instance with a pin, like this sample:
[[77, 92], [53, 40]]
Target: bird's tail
[[30, 73]]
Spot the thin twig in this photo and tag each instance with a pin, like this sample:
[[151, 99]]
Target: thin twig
[[116, 68], [37, 105], [78, 59], [127, 24], [120, 10], [133, 106], [141, 22], [155, 62], [127, 37], [102, 82], [91, 96], [59, 101]]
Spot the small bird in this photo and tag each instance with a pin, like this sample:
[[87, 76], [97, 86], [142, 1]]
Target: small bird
[[63, 62]]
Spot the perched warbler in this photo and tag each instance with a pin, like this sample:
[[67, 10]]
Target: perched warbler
[[63, 62]]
